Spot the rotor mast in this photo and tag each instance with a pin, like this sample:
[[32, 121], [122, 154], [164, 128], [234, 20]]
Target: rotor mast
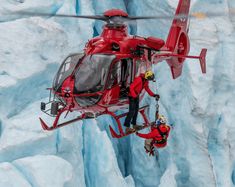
[[115, 27]]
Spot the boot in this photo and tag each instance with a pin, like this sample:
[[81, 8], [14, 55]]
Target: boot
[[129, 130], [150, 152], [138, 127]]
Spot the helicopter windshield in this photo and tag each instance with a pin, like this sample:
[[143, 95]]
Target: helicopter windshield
[[91, 74], [65, 70]]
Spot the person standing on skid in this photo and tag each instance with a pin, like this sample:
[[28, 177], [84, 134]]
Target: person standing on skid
[[141, 82]]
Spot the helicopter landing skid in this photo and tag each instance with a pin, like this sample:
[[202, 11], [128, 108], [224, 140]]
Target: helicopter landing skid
[[121, 134], [56, 125], [115, 135], [117, 119]]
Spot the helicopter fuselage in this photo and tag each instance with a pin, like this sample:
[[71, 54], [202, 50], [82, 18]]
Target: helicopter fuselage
[[99, 80]]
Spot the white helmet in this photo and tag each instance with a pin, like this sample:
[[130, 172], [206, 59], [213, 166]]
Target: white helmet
[[162, 119]]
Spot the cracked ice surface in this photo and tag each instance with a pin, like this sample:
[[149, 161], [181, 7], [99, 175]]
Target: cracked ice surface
[[33, 171], [201, 107]]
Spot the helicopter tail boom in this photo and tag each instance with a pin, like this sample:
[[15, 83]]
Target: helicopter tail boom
[[201, 57]]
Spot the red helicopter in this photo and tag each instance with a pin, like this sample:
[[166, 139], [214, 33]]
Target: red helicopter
[[96, 82]]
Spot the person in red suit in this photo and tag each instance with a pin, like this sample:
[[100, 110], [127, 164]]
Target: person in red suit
[[158, 135], [141, 82]]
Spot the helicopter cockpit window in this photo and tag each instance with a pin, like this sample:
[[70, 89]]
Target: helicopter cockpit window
[[65, 70], [91, 74]]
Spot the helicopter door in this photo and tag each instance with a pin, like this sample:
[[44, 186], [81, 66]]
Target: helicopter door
[[119, 80], [113, 83], [126, 77]]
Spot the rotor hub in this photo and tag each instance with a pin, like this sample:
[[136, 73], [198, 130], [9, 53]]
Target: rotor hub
[[115, 13]]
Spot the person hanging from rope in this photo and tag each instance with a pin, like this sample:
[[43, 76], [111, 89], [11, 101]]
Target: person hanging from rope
[[158, 135], [141, 82]]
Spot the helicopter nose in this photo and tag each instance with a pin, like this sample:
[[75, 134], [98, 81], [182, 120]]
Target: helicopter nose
[[67, 87]]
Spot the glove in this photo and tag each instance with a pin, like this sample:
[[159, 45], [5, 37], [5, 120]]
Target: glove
[[157, 96]]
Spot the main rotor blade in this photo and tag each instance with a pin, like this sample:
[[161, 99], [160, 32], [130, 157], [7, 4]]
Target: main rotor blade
[[96, 17], [197, 15], [119, 19]]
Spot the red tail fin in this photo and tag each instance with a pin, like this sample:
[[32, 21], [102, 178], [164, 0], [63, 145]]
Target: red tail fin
[[178, 41], [178, 25]]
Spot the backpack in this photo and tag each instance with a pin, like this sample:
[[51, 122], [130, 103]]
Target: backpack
[[163, 135]]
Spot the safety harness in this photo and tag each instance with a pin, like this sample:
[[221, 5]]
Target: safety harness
[[162, 141], [163, 135]]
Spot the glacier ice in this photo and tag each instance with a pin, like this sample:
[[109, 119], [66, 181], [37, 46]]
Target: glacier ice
[[36, 170], [11, 176], [201, 145], [101, 167], [33, 171]]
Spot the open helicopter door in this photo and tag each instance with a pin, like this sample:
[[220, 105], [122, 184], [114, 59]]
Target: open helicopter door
[[127, 76], [113, 89], [119, 79]]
